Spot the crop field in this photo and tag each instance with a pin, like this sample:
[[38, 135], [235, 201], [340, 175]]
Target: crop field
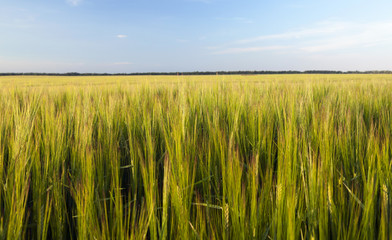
[[196, 157]]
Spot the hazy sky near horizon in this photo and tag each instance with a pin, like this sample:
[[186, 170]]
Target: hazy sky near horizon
[[194, 35]]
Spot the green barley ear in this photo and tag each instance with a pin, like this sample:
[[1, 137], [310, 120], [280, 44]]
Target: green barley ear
[[278, 192], [165, 196], [226, 216], [385, 194], [331, 204]]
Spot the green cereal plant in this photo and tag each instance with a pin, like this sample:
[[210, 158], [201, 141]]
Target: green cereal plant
[[196, 157]]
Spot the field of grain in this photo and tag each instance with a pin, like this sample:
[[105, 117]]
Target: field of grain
[[196, 157]]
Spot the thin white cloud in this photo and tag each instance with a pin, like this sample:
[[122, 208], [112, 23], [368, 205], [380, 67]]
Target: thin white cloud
[[323, 28], [123, 63], [356, 36], [249, 49], [33, 65], [323, 36], [74, 2], [122, 36], [17, 18]]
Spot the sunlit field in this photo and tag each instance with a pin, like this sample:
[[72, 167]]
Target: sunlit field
[[196, 157]]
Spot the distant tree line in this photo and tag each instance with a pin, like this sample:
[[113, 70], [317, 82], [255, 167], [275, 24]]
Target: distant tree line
[[197, 73]]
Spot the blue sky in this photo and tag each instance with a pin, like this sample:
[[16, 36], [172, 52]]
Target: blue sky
[[194, 35]]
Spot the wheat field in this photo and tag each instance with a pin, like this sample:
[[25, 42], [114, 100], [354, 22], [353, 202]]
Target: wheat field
[[196, 157]]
